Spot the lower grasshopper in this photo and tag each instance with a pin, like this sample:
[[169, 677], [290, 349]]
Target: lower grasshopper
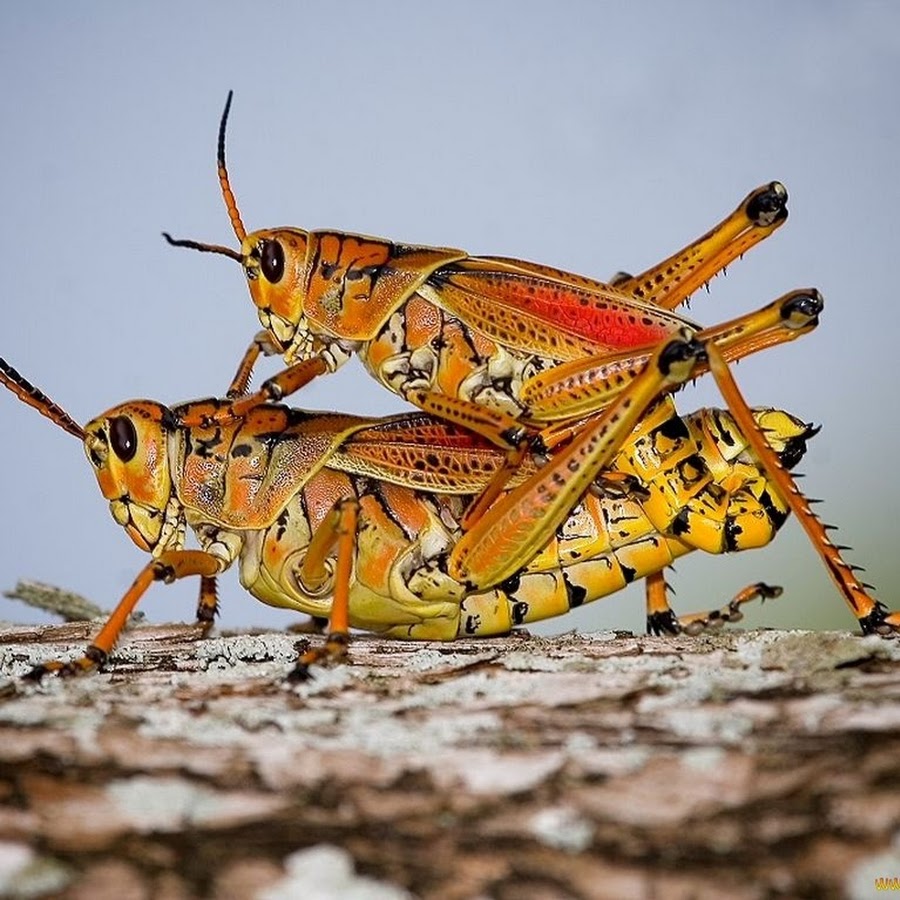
[[359, 519]]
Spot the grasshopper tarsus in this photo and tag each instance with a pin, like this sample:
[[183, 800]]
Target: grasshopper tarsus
[[300, 674], [663, 624]]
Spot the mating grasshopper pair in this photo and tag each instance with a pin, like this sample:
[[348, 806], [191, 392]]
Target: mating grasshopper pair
[[374, 523]]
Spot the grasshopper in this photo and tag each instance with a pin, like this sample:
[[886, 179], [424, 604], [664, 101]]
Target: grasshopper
[[360, 520], [479, 340]]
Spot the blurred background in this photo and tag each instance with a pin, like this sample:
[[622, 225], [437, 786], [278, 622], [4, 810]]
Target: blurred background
[[590, 136]]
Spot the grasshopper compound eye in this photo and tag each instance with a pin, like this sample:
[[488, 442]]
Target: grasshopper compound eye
[[271, 261], [123, 437]]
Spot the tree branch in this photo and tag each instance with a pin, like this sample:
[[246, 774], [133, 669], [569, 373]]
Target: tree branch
[[595, 765]]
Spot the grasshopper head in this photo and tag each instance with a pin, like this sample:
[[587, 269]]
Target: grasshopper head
[[127, 448], [274, 262]]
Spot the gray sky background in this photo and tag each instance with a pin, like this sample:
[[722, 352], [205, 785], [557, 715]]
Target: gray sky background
[[590, 136]]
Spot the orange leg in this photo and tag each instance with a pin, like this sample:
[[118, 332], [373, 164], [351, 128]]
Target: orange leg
[[662, 620], [672, 281], [337, 531], [170, 566], [582, 387], [872, 615], [207, 603], [511, 533], [494, 489], [271, 391], [576, 391], [263, 344], [498, 427]]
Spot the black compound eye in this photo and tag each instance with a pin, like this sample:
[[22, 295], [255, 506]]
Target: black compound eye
[[123, 437], [271, 261]]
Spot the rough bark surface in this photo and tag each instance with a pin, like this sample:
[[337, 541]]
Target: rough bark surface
[[759, 764]]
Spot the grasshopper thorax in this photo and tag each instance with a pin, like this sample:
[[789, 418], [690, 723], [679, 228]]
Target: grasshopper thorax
[[127, 447]]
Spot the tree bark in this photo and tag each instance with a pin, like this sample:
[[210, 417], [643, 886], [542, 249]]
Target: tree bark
[[758, 764]]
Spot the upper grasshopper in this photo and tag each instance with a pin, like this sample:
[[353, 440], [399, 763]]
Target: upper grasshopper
[[454, 333]]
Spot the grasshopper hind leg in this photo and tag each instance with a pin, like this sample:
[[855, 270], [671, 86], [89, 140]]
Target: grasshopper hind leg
[[871, 614]]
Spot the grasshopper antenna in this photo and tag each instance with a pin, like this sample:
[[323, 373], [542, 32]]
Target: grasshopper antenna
[[35, 397], [227, 195], [204, 248]]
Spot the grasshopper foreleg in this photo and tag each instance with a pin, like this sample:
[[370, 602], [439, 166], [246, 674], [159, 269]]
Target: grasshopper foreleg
[[171, 565]]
